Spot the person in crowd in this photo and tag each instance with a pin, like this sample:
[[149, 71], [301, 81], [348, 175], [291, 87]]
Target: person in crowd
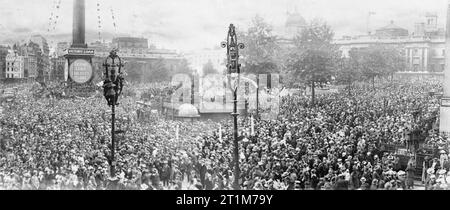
[[338, 144]]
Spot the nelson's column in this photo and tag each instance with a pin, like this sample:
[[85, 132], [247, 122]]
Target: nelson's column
[[79, 56]]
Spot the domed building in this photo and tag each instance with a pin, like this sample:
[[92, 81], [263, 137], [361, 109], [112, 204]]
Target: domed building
[[187, 112], [295, 23], [391, 30]]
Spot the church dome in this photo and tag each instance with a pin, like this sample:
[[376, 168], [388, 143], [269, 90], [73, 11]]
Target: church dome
[[188, 111], [296, 20], [392, 30]]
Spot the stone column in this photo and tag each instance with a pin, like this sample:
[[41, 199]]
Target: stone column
[[444, 126], [79, 21]]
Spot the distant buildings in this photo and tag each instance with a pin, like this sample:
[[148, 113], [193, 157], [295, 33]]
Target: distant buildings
[[61, 49], [391, 30], [424, 48], [131, 49], [42, 42], [4, 50], [21, 66], [130, 43], [58, 67], [294, 25], [28, 60], [197, 59]]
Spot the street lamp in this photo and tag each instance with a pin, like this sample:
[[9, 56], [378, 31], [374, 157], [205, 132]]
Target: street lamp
[[112, 88], [233, 76]]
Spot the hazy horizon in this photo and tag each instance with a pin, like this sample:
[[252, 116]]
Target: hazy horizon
[[197, 24]]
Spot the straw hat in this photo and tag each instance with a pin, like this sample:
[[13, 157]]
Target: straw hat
[[401, 173]]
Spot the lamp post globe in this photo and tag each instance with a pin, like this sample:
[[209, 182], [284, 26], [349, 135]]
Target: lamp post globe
[[112, 88], [233, 77]]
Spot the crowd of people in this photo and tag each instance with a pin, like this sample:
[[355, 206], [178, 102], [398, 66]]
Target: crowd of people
[[335, 144]]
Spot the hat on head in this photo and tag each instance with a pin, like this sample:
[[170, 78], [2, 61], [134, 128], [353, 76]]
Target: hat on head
[[401, 173]]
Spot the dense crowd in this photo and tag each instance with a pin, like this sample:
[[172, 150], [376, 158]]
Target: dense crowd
[[336, 144]]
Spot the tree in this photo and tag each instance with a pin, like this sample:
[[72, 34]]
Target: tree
[[208, 68], [181, 68], [134, 72], [158, 72], [314, 56], [372, 64], [379, 61], [259, 55], [347, 72], [395, 61]]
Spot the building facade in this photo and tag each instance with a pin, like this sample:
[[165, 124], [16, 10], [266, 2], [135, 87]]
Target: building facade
[[131, 49], [130, 42], [3, 53], [391, 30], [424, 49], [61, 49], [29, 60], [20, 67], [58, 67], [198, 59], [134, 50]]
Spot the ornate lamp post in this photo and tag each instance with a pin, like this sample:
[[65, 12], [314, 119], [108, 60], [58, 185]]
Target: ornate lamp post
[[233, 76], [112, 88]]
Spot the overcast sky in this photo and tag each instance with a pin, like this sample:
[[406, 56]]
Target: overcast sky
[[196, 24]]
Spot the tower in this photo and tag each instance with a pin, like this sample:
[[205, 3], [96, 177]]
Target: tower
[[295, 23], [431, 21], [79, 57]]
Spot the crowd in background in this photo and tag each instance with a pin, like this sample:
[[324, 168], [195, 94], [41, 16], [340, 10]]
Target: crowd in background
[[336, 144]]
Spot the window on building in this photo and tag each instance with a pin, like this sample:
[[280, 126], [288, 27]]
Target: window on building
[[415, 52], [443, 52], [432, 68]]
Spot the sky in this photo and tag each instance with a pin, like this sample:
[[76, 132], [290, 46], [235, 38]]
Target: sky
[[197, 24]]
